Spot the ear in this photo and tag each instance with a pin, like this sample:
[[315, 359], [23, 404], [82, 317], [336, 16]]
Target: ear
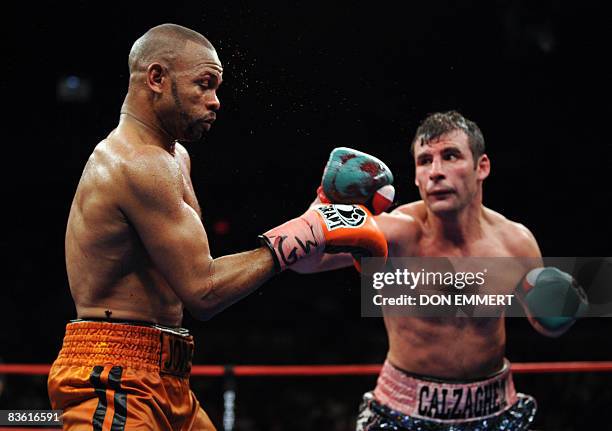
[[156, 75], [483, 167]]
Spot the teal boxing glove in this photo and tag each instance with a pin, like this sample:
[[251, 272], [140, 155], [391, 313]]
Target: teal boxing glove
[[354, 177], [552, 299]]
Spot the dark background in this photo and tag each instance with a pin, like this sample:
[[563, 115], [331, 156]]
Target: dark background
[[299, 80]]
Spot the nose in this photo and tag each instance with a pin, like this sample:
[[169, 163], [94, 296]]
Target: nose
[[213, 103], [436, 172]]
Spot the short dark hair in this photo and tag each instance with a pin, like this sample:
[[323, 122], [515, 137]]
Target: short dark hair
[[441, 123], [163, 42]]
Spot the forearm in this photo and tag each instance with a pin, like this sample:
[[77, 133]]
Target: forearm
[[231, 278], [323, 262]]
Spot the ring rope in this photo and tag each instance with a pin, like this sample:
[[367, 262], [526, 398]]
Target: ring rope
[[334, 370]]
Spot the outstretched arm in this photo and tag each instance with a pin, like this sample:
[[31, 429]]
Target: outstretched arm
[[176, 241]]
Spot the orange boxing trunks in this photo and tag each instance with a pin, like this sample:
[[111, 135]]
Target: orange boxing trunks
[[125, 376]]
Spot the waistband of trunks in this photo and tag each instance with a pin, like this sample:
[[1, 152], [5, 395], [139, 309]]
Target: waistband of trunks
[[129, 344], [445, 402]]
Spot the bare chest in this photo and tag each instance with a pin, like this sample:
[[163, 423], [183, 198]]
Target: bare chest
[[488, 257], [489, 245]]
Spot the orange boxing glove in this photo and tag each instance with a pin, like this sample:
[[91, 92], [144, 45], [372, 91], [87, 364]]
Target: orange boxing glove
[[326, 228]]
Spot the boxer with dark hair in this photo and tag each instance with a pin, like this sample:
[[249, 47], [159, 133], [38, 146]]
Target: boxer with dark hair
[[137, 252], [449, 373]]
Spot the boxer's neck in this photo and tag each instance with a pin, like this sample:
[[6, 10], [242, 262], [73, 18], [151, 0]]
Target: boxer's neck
[[142, 118], [460, 227]]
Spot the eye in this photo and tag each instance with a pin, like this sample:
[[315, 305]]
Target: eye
[[450, 156], [424, 161], [204, 84]]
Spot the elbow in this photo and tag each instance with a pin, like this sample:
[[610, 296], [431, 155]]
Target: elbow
[[205, 307], [205, 304]]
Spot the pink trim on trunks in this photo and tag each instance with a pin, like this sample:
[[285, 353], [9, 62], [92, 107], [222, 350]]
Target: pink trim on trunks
[[445, 402]]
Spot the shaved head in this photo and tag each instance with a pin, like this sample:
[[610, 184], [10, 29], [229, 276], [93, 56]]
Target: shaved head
[[174, 77], [164, 44]]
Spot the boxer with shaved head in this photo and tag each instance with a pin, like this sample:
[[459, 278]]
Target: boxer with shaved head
[[137, 253]]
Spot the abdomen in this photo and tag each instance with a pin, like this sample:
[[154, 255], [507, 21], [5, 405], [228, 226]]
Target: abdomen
[[453, 348]]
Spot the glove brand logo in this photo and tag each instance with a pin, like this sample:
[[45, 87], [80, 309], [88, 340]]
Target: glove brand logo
[[337, 216]]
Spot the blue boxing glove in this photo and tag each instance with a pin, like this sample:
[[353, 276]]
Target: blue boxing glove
[[354, 177], [552, 299]]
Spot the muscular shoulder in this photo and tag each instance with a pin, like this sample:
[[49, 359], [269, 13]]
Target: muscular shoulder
[[183, 154], [403, 226], [516, 237], [150, 174], [415, 209]]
